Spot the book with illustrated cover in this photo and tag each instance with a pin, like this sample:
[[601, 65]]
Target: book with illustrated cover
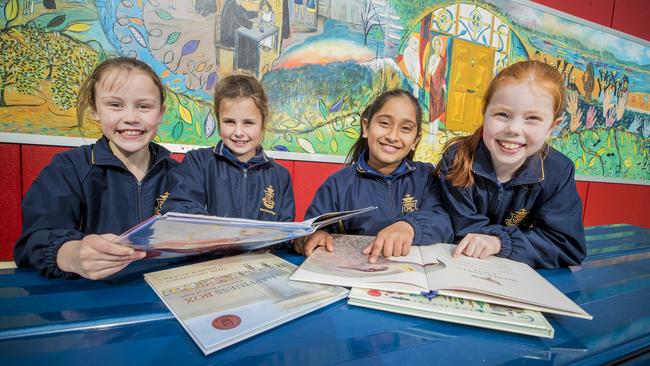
[[176, 235], [224, 301], [455, 310], [493, 280]]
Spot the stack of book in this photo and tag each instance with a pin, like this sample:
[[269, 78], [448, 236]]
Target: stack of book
[[495, 293]]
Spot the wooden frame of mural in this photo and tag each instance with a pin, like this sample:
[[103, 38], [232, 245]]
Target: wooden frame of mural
[[321, 63]]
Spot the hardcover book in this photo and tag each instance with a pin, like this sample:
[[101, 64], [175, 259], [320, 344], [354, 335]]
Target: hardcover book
[[176, 234], [493, 280], [227, 300], [455, 310]]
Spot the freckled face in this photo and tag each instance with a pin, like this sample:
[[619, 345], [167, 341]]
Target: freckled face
[[516, 124]]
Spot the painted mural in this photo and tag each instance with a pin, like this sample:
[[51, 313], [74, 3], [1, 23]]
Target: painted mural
[[322, 62]]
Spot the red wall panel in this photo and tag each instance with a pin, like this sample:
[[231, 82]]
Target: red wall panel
[[609, 203], [307, 178], [631, 16], [583, 188], [597, 11], [10, 217], [289, 164], [34, 159]]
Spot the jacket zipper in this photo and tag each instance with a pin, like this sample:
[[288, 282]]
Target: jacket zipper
[[138, 201], [242, 194]]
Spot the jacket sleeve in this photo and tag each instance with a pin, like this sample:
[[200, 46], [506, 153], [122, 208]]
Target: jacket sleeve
[[459, 202], [288, 204], [52, 215], [188, 193], [557, 237], [325, 201], [430, 222]]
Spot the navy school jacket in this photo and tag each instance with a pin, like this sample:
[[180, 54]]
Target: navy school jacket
[[410, 194], [87, 190], [537, 214], [211, 181]]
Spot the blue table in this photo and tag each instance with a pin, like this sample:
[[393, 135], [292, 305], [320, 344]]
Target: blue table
[[122, 322]]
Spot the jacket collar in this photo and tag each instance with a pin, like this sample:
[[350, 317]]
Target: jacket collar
[[532, 171], [101, 154], [406, 166], [223, 151]]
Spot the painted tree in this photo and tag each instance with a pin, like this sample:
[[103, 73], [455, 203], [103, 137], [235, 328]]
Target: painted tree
[[32, 55], [370, 21]]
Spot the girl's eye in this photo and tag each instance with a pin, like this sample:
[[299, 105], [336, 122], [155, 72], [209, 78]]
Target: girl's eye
[[407, 129], [383, 123], [145, 107], [501, 115]]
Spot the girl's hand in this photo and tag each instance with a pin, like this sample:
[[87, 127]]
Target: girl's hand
[[393, 240], [320, 238], [95, 256], [478, 246]]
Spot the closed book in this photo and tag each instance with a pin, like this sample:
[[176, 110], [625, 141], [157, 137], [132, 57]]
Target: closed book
[[455, 310], [224, 301], [492, 280]]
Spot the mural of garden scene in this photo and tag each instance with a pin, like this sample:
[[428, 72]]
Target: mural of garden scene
[[322, 62]]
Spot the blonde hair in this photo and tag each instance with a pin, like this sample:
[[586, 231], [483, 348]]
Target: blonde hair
[[87, 93]]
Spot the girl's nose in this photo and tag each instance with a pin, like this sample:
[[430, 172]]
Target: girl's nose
[[131, 115]]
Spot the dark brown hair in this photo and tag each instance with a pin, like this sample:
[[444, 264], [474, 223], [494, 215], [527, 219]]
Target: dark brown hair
[[362, 143]]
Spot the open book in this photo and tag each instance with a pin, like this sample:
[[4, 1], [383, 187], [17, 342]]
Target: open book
[[176, 234], [227, 300], [493, 280], [455, 310]]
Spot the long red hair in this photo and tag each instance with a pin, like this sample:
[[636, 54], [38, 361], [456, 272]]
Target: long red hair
[[542, 75]]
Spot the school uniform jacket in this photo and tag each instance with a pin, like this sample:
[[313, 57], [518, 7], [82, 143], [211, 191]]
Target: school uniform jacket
[[211, 181], [537, 214], [410, 194], [87, 190]]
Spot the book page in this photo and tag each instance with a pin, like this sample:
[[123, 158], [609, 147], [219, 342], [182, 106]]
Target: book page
[[348, 266], [494, 276], [165, 237]]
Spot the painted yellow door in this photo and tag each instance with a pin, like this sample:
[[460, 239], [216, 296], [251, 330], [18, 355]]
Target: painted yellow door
[[471, 71]]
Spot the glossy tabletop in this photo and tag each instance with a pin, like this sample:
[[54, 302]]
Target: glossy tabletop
[[121, 321]]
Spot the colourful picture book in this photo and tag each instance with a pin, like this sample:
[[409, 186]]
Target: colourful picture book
[[455, 310], [176, 234], [224, 301], [433, 268]]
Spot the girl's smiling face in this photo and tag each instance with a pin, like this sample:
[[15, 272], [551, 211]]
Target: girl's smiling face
[[391, 133], [129, 109], [517, 122], [240, 126]]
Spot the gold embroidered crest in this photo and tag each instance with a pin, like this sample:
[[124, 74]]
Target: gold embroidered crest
[[159, 202], [268, 201], [409, 203], [516, 217]]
